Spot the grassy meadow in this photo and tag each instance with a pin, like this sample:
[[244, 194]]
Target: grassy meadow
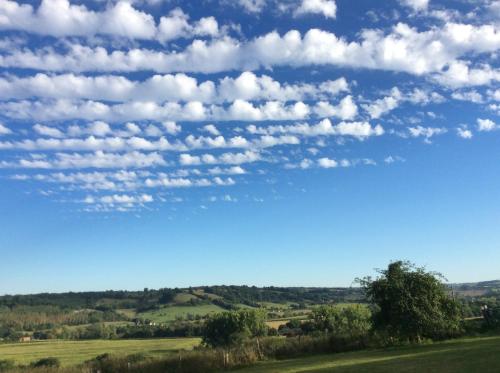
[[171, 313], [457, 356], [76, 352]]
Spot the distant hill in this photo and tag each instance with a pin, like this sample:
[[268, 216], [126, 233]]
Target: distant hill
[[223, 296], [181, 312], [475, 289]]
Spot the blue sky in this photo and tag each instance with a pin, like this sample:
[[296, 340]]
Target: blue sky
[[270, 142]]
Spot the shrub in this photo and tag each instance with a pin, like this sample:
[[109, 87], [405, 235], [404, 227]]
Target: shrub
[[491, 316], [353, 321], [228, 329], [6, 365], [135, 358], [48, 362], [282, 348], [106, 364]]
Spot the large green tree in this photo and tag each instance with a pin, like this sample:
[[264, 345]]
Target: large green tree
[[412, 303]]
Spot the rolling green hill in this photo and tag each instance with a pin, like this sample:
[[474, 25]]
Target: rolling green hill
[[172, 313]]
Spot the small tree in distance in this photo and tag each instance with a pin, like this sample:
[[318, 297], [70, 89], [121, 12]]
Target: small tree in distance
[[411, 303]]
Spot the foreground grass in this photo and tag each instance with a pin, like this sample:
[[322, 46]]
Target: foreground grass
[[76, 352], [463, 355]]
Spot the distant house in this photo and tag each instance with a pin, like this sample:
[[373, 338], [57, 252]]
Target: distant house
[[25, 338], [139, 322]]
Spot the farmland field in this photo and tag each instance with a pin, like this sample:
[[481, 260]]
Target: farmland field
[[170, 313], [75, 352], [463, 355]]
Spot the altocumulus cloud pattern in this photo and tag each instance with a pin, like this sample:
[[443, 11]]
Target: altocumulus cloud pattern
[[120, 105]]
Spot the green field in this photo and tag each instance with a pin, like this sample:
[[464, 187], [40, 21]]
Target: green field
[[170, 313], [75, 352], [458, 356], [184, 298]]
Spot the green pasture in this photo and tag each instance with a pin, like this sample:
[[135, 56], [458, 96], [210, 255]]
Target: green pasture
[[76, 352], [171, 313], [457, 356]]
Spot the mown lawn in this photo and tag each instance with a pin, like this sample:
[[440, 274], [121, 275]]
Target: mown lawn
[[76, 352], [459, 356]]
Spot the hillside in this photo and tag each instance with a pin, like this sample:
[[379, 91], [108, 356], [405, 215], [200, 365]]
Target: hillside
[[224, 295]]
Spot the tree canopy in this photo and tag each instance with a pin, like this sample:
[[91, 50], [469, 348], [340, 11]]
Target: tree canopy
[[412, 303], [348, 321], [227, 329]]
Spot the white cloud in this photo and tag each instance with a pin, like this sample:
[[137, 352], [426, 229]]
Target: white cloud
[[252, 6], [422, 97], [224, 182], [416, 5], [99, 128], [464, 133], [426, 132], [327, 8], [189, 160], [327, 163], [172, 127], [459, 74], [234, 170], [249, 86], [60, 18], [486, 125], [92, 143], [210, 128], [392, 159], [96, 180], [346, 109], [108, 87], [123, 180], [176, 25], [123, 140], [325, 127], [472, 96], [225, 158], [145, 110], [381, 106], [4, 130], [48, 131], [121, 198], [494, 94], [164, 181], [305, 163], [98, 159], [403, 49], [153, 131]]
